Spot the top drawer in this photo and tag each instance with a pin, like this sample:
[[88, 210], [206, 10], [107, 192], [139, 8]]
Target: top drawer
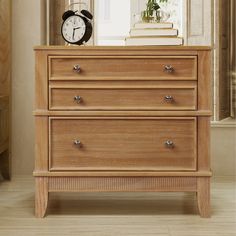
[[122, 68]]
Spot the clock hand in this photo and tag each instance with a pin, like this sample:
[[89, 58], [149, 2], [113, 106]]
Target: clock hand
[[74, 33]]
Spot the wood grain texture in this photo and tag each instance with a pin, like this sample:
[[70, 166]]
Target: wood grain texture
[[223, 57], [122, 184], [137, 114], [122, 144], [5, 47], [41, 143], [204, 162], [122, 122], [203, 196], [5, 164], [204, 80], [123, 84], [41, 82], [123, 95], [122, 68], [5, 160], [5, 88], [56, 10], [123, 173], [4, 123], [123, 99], [41, 196]]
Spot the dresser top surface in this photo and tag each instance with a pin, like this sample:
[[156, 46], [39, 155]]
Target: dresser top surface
[[125, 48]]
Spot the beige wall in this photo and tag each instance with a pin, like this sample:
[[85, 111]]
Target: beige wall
[[223, 150], [26, 28]]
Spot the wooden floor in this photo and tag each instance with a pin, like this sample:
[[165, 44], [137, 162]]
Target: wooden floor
[[108, 214]]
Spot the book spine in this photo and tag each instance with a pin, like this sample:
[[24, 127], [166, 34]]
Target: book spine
[[153, 26]]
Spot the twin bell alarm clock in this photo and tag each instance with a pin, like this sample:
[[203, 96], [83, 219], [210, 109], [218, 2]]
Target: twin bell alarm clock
[[77, 28]]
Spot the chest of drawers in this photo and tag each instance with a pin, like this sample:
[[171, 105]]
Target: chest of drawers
[[122, 119]]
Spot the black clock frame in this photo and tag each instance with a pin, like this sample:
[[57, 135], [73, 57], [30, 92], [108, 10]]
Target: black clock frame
[[88, 26]]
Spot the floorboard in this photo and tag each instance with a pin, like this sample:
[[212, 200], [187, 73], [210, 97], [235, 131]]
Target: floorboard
[[109, 214]]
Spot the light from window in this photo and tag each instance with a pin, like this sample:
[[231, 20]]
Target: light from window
[[113, 21]]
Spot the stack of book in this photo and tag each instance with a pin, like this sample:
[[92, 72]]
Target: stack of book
[[153, 34]]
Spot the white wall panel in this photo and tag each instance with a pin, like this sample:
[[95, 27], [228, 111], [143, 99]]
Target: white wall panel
[[198, 21]]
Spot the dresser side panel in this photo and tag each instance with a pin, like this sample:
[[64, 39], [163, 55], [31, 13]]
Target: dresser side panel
[[204, 143], [41, 143], [41, 81], [204, 80], [204, 103]]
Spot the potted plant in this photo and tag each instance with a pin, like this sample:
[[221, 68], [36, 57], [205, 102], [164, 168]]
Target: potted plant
[[152, 6]]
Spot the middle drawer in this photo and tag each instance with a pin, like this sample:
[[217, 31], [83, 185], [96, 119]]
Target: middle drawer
[[160, 96]]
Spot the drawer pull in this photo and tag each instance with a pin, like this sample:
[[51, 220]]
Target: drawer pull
[[169, 98], [78, 99], [77, 68], [169, 68], [77, 143], [169, 144]]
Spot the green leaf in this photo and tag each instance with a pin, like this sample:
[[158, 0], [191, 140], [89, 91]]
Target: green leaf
[[156, 7]]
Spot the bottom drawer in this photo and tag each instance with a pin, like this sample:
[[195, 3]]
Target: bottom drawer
[[122, 144]]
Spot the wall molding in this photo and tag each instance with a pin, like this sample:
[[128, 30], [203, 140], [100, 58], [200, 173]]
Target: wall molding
[[196, 27], [194, 17]]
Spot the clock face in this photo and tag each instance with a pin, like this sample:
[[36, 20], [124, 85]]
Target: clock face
[[73, 29]]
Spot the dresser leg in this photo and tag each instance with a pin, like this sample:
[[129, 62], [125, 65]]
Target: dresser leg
[[203, 196], [41, 196]]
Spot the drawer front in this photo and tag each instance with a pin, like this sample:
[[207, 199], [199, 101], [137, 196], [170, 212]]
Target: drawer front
[[125, 68], [122, 144], [123, 99]]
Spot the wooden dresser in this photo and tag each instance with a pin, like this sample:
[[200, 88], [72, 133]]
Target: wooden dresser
[[120, 119]]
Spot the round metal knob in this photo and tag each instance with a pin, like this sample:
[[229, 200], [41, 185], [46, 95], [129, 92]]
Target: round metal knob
[[78, 99], [77, 143], [169, 98], [169, 144], [169, 68], [77, 68]]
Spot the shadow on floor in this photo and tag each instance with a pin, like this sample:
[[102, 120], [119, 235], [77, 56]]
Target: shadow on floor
[[122, 204]]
